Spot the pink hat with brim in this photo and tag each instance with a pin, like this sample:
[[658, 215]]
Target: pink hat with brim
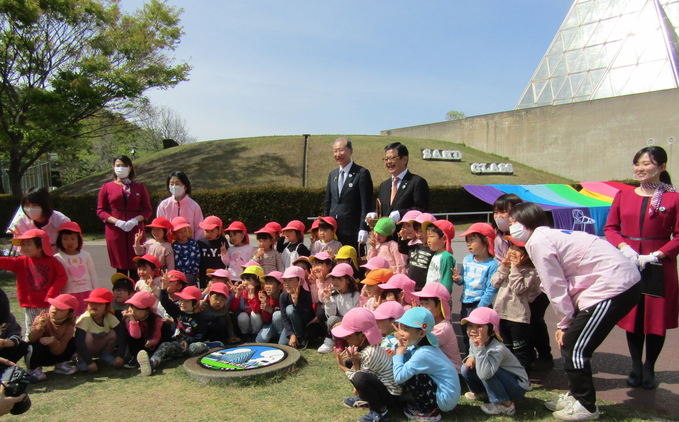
[[295, 225], [296, 272], [343, 270], [143, 300], [483, 316], [249, 264], [71, 226], [410, 216], [33, 233], [189, 293], [514, 241], [238, 226], [484, 229], [388, 310], [64, 301], [375, 263], [439, 291], [359, 320], [446, 227], [221, 273], [176, 275], [329, 220], [211, 222], [220, 288], [321, 256], [425, 216], [267, 229], [162, 223], [276, 275], [272, 225], [179, 223], [100, 295], [315, 224], [403, 282]]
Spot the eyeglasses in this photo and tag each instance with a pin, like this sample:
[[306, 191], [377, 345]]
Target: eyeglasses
[[392, 159], [338, 151]]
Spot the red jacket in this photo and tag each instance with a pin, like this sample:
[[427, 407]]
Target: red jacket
[[37, 279]]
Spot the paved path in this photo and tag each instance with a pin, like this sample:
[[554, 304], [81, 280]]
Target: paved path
[[611, 363]]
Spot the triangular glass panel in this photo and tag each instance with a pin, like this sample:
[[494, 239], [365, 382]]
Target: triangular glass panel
[[614, 9], [546, 97], [619, 77], [593, 14], [571, 21], [557, 46], [580, 64], [528, 97], [582, 9], [576, 80], [577, 41], [586, 88], [565, 92], [602, 30], [557, 83], [538, 87], [552, 62], [571, 57], [605, 89], [590, 54], [666, 79], [642, 78], [622, 28], [543, 70], [561, 68], [584, 33], [596, 76], [634, 6], [600, 6], [567, 36], [627, 54]]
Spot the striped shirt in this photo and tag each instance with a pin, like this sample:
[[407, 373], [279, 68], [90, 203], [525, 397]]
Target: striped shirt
[[376, 361]]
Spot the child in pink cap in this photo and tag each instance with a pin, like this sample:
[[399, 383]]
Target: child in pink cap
[[297, 309], [159, 244], [186, 250], [386, 315], [241, 251], [367, 365], [410, 244], [143, 326], [439, 235], [490, 367], [339, 298], [327, 226], [217, 314], [266, 256], [39, 274], [477, 270], [436, 299], [400, 289], [294, 246], [210, 242]]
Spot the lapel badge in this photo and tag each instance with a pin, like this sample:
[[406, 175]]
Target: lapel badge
[[351, 185], [662, 209]]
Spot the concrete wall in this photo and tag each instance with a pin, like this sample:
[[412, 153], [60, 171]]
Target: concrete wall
[[585, 141]]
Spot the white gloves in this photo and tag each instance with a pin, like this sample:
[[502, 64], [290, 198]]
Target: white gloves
[[395, 216], [646, 259], [630, 254], [370, 215], [127, 225], [363, 236]]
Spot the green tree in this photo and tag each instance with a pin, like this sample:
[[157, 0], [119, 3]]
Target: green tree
[[64, 62], [455, 115]]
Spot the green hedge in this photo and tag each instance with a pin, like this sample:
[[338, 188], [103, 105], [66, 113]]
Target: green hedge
[[253, 206]]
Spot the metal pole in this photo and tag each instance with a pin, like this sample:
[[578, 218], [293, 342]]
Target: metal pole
[[306, 152]]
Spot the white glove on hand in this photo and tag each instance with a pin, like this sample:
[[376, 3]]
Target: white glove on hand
[[370, 215], [630, 254], [646, 259], [363, 236], [395, 216], [130, 224], [120, 224]]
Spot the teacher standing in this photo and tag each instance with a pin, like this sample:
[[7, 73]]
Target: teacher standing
[[123, 206], [646, 230]]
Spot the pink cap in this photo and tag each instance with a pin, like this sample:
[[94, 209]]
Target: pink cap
[[238, 226], [267, 229], [446, 227], [148, 258], [142, 300], [484, 229], [190, 293], [71, 226], [330, 221], [273, 274], [341, 270], [176, 275], [388, 310], [514, 241], [33, 233], [272, 225], [296, 272], [179, 223], [315, 224], [434, 290], [221, 273], [100, 295], [425, 216], [295, 225], [410, 216], [162, 223], [400, 281], [219, 288], [483, 316], [321, 256], [375, 263], [249, 264], [64, 301], [211, 222], [359, 320]]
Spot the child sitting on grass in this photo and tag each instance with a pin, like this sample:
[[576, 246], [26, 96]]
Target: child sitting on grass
[[246, 302], [215, 309], [271, 308], [148, 268], [98, 332], [51, 339], [123, 289], [338, 299], [490, 367], [12, 347], [144, 326], [387, 249], [296, 308], [421, 366], [367, 365]]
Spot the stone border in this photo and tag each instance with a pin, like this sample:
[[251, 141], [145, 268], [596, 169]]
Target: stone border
[[196, 371]]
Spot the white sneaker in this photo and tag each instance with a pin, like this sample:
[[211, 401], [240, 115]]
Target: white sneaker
[[576, 412], [498, 409], [561, 402], [325, 348]]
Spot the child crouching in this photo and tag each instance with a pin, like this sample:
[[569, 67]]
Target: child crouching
[[144, 326], [491, 368], [367, 365]]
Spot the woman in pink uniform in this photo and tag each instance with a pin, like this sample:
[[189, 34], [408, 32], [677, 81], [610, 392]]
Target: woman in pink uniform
[[590, 285], [123, 206], [656, 204]]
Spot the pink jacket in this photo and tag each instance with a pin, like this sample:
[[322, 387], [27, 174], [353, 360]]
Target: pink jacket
[[389, 251], [578, 270], [187, 208]]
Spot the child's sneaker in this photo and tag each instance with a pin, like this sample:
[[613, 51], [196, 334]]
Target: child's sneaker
[[576, 412], [374, 416], [561, 402], [415, 415], [145, 364], [38, 374], [214, 344], [64, 368], [498, 409], [327, 346], [131, 363], [355, 402], [108, 358], [476, 397]]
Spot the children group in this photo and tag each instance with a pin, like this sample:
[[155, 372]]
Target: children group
[[385, 318]]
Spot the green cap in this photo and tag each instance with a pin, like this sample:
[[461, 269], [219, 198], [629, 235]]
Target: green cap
[[385, 226]]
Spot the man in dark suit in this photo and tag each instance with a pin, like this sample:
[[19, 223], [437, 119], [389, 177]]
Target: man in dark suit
[[403, 191], [348, 195]]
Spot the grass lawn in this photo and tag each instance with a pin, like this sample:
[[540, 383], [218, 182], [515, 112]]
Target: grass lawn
[[313, 392]]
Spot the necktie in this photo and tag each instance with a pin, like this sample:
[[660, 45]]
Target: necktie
[[340, 185], [394, 188]]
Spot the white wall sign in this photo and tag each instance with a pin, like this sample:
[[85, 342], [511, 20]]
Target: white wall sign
[[492, 168], [441, 154]]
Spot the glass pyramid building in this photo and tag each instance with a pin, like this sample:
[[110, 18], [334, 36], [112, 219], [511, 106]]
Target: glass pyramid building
[[608, 48]]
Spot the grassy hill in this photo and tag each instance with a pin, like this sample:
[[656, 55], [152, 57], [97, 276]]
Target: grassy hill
[[278, 160]]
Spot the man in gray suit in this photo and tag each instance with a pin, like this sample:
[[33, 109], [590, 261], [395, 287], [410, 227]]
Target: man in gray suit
[[348, 195]]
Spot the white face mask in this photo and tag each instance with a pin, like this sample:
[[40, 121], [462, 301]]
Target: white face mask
[[177, 190], [502, 224], [519, 232], [33, 213], [121, 172]]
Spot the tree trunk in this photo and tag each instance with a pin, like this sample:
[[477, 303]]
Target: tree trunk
[[15, 175]]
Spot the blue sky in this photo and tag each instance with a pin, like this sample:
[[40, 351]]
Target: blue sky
[[352, 67]]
